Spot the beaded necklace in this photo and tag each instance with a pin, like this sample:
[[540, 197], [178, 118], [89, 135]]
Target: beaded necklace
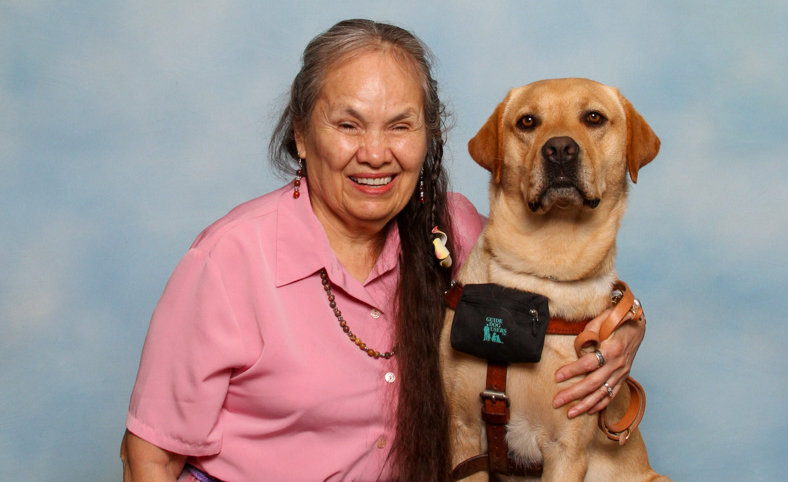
[[342, 323]]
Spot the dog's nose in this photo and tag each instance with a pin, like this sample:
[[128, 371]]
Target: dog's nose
[[560, 150]]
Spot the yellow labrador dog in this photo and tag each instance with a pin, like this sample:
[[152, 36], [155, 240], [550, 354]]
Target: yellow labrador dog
[[559, 152]]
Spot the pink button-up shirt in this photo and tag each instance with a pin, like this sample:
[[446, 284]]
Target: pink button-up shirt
[[245, 367]]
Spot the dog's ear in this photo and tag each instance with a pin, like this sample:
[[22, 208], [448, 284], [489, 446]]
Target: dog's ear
[[486, 145], [642, 143]]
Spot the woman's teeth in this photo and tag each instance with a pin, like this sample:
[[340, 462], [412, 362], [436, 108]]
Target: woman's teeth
[[372, 181]]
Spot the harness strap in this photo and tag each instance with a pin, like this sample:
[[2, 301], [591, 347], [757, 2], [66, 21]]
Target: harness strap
[[481, 462], [468, 467], [495, 413]]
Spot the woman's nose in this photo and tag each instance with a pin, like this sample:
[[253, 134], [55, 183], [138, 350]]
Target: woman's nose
[[374, 149]]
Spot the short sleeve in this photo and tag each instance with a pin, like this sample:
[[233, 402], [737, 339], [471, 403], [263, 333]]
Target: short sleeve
[[191, 349], [467, 224]]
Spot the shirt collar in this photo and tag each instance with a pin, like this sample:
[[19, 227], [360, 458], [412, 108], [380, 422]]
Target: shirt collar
[[302, 246]]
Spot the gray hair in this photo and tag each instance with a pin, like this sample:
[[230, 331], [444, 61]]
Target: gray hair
[[343, 41]]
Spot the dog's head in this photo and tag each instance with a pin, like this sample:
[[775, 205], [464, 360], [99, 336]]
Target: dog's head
[[564, 143]]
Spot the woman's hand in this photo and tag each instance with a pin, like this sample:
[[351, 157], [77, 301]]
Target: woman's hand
[[618, 351], [143, 461]]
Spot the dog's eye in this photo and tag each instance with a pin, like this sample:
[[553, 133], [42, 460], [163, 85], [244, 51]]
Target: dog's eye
[[527, 122], [594, 118]]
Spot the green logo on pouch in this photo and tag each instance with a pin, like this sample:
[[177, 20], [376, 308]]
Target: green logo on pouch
[[493, 331]]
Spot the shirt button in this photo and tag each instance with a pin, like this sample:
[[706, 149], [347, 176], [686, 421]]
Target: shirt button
[[390, 377], [375, 313], [381, 442]]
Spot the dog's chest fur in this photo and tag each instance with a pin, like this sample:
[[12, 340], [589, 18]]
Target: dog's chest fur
[[572, 300]]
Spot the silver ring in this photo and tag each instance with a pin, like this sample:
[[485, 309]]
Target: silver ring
[[600, 358], [635, 306], [609, 390]]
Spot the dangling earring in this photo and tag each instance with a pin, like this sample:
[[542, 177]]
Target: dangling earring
[[297, 181], [421, 186]]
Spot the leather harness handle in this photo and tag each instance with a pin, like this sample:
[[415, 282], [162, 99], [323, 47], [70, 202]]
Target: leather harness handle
[[627, 304], [621, 430], [616, 317]]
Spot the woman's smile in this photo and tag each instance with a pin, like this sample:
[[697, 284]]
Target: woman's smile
[[372, 181]]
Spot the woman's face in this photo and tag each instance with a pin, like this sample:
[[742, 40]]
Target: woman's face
[[365, 143]]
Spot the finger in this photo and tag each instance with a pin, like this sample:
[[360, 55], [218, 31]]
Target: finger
[[582, 388], [585, 364], [595, 403], [614, 371], [584, 391], [596, 375], [601, 405], [616, 381], [597, 397]]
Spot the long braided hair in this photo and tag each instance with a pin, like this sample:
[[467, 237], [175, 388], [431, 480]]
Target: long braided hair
[[420, 450]]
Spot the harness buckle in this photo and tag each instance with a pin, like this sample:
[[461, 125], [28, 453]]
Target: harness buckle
[[495, 396]]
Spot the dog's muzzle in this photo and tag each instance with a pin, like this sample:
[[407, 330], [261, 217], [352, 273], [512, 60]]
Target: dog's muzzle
[[561, 158]]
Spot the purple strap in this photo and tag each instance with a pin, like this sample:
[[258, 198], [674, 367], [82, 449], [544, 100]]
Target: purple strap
[[200, 475]]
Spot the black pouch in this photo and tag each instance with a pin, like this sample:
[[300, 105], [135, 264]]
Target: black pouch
[[500, 324]]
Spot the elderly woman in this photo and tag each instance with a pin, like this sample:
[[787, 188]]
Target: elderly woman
[[297, 339]]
